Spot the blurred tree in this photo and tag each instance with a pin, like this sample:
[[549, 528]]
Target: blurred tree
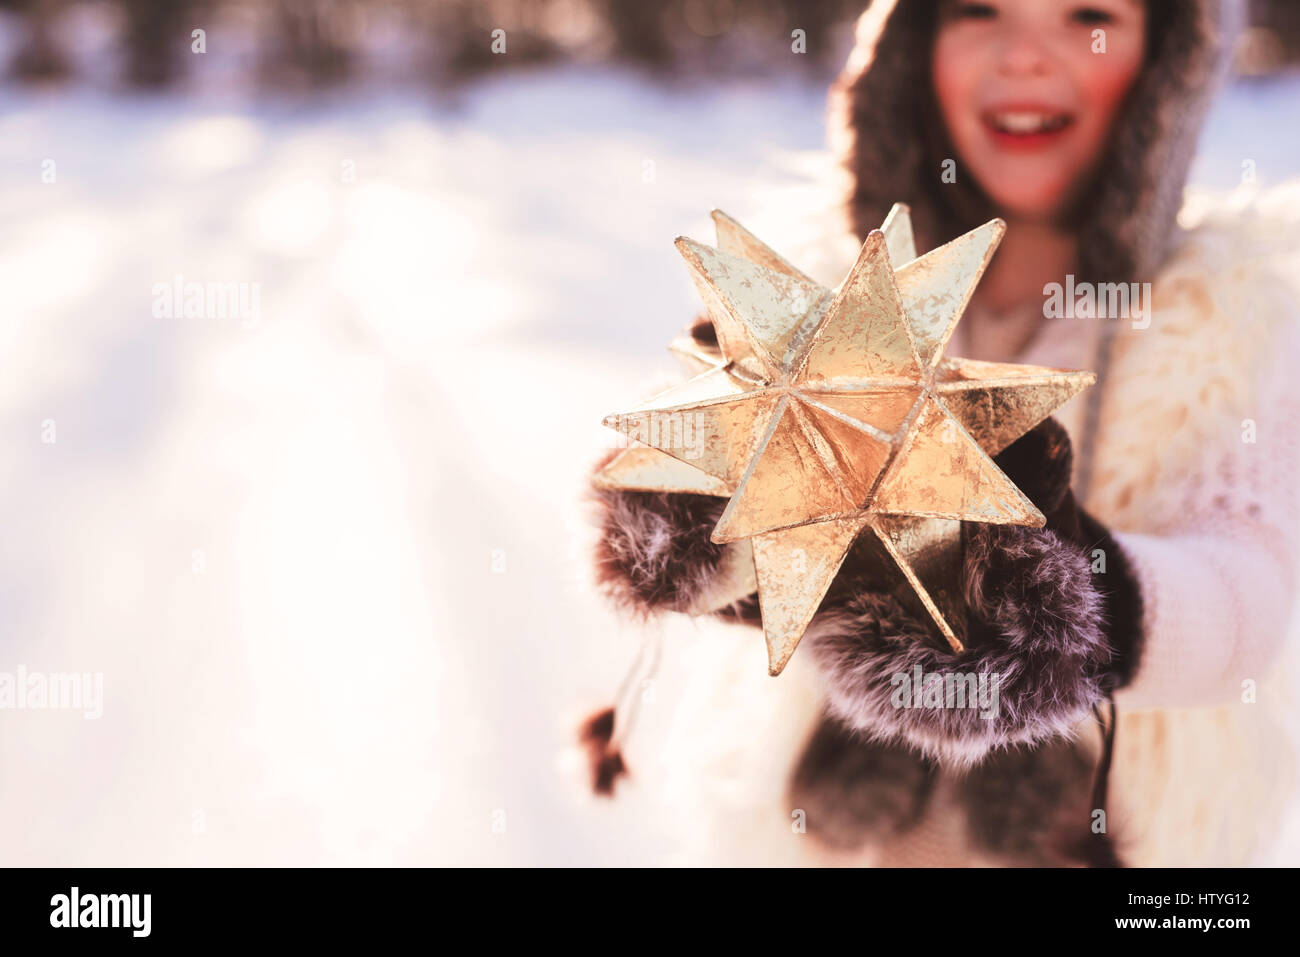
[[640, 30], [38, 57], [157, 36], [461, 33], [310, 42], [1274, 39]]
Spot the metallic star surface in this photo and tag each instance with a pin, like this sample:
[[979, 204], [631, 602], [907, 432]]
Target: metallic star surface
[[822, 413]]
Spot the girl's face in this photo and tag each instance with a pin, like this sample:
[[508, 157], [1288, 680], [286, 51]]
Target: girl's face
[[1029, 91]]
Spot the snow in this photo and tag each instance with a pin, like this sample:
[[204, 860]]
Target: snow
[[330, 560]]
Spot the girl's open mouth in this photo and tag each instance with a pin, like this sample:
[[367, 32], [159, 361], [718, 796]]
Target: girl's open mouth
[[1026, 127]]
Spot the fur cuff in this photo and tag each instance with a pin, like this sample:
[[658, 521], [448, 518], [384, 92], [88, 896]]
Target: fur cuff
[[1033, 664]]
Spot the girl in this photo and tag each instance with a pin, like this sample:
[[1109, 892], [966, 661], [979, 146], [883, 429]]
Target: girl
[[1136, 633]]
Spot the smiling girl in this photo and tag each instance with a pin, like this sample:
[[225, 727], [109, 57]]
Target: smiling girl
[[1136, 636], [1028, 95]]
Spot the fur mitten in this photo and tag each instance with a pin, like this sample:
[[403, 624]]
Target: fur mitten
[[654, 552], [1047, 638]]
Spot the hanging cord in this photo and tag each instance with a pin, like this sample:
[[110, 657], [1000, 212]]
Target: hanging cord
[[627, 702], [1103, 356], [1099, 851], [603, 734], [1102, 780]]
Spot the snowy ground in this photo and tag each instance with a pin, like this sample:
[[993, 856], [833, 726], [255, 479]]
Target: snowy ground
[[329, 562]]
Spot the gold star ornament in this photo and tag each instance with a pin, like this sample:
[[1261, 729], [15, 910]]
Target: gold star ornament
[[824, 413]]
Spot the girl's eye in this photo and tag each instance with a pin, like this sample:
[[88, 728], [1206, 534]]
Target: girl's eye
[[1091, 16], [974, 11]]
